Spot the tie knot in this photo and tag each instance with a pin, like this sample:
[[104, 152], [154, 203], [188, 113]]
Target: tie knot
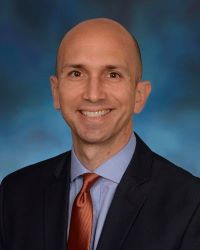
[[88, 180]]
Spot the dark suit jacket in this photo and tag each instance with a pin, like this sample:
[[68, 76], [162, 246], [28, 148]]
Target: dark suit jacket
[[156, 207]]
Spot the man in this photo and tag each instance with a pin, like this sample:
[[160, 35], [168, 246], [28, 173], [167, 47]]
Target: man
[[111, 191]]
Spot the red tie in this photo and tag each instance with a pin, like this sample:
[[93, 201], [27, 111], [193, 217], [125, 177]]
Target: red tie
[[80, 230]]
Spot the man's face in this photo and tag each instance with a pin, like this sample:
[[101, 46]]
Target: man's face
[[95, 89]]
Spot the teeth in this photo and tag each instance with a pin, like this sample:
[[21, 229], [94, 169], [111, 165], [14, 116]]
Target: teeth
[[95, 113]]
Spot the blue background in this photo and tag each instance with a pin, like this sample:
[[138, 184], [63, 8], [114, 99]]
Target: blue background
[[169, 35]]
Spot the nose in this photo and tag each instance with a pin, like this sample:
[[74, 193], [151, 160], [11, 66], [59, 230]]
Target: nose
[[94, 90]]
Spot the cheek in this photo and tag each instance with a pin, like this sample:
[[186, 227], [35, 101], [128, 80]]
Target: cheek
[[128, 103], [126, 96], [67, 94]]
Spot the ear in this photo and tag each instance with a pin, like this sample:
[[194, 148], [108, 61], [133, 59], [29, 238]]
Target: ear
[[143, 89], [54, 91]]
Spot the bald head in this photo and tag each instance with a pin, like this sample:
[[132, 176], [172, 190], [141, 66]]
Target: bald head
[[103, 31]]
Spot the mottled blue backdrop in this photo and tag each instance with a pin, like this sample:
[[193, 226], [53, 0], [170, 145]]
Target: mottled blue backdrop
[[169, 36]]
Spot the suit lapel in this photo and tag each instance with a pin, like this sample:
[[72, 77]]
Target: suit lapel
[[128, 200], [56, 207]]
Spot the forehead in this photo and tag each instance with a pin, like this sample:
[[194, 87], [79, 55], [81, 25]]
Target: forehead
[[96, 48]]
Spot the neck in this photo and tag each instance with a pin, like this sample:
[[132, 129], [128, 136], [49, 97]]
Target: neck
[[92, 155]]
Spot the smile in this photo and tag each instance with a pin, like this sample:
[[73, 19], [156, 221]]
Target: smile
[[98, 113]]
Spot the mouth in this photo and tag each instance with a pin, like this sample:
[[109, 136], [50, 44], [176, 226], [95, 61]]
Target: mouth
[[97, 113]]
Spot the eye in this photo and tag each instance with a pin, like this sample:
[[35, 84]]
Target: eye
[[114, 75], [74, 73]]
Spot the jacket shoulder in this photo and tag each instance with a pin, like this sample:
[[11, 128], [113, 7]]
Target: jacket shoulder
[[35, 173], [166, 168], [174, 179], [160, 169]]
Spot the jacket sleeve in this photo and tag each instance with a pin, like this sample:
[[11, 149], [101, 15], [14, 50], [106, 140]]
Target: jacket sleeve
[[2, 247], [191, 238]]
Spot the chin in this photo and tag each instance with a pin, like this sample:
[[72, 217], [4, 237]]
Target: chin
[[93, 138]]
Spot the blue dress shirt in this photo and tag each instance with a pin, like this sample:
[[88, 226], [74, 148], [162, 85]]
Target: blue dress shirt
[[103, 190]]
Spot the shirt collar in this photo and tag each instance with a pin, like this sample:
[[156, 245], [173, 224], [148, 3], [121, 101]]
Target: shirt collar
[[113, 169]]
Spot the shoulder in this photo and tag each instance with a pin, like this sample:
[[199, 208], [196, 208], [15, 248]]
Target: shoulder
[[37, 173], [175, 185], [161, 168], [167, 179], [168, 171]]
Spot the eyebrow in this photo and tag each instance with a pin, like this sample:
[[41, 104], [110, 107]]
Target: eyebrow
[[114, 67], [82, 66], [73, 66]]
